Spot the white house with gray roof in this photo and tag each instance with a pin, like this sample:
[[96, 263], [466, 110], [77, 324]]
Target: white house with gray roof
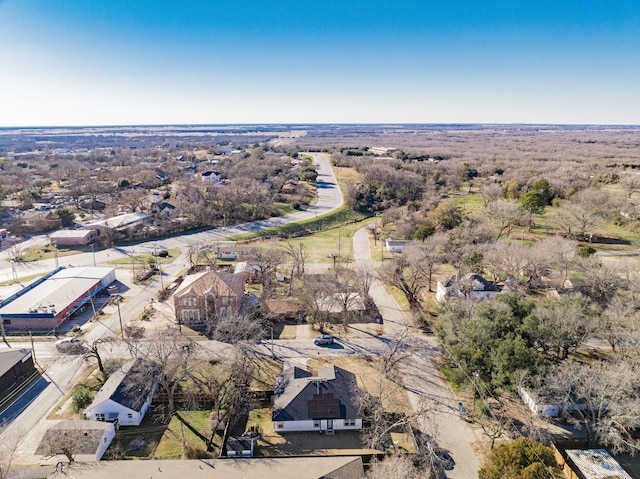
[[127, 394], [323, 403], [472, 286]]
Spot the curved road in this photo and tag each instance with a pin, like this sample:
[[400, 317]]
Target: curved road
[[63, 371]]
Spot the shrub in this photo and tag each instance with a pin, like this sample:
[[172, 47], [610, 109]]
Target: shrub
[[585, 250], [81, 398]]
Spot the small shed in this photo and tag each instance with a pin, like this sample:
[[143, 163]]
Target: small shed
[[240, 446]]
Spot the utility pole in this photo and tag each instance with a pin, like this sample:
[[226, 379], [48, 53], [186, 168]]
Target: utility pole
[[4, 335], [116, 298], [272, 355], [33, 349]]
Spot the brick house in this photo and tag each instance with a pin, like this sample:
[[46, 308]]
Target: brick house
[[207, 297]]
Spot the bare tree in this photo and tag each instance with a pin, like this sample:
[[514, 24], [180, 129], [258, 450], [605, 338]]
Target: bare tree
[[601, 398], [298, 256], [582, 212], [619, 322], [564, 324], [67, 441], [92, 350], [601, 280], [630, 184], [490, 192], [175, 356], [266, 262], [504, 215], [396, 465], [16, 253]]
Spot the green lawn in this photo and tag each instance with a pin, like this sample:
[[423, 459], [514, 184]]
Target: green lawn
[[147, 258], [48, 252], [170, 443], [323, 244]]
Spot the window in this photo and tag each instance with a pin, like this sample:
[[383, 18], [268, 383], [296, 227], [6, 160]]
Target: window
[[349, 422], [99, 417], [316, 423], [224, 300], [280, 425], [130, 416], [189, 301], [190, 316]]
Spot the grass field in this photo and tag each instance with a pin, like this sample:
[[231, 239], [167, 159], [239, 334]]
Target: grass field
[[320, 246], [147, 258]]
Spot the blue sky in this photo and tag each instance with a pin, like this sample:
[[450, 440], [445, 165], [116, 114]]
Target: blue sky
[[105, 62]]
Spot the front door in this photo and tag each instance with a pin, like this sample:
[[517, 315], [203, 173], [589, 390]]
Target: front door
[[329, 424]]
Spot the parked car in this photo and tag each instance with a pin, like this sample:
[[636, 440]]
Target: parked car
[[69, 345], [323, 340]]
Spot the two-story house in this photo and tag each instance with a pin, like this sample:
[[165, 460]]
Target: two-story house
[[203, 298]]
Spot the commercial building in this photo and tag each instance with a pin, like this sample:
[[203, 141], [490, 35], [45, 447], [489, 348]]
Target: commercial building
[[120, 222], [73, 237], [47, 302]]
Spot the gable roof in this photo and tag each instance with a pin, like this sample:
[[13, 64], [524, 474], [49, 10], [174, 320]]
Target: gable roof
[[477, 282], [212, 282], [282, 306], [300, 396], [129, 386]]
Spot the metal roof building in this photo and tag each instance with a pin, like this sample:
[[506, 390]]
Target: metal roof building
[[596, 464], [48, 301]]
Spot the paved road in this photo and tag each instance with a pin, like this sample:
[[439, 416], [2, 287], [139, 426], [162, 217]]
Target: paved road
[[421, 375]]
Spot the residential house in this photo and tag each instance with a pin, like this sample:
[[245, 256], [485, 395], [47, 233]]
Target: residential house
[[282, 309], [164, 208], [209, 295], [338, 303], [126, 396], [89, 439], [323, 403], [470, 285], [396, 246], [211, 176]]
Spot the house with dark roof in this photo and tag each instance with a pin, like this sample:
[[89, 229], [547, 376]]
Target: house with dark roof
[[470, 285], [88, 439], [323, 403], [126, 396], [205, 297], [211, 176]]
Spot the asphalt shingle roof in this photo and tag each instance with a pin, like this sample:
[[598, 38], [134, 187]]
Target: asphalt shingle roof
[[300, 396], [129, 386]]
